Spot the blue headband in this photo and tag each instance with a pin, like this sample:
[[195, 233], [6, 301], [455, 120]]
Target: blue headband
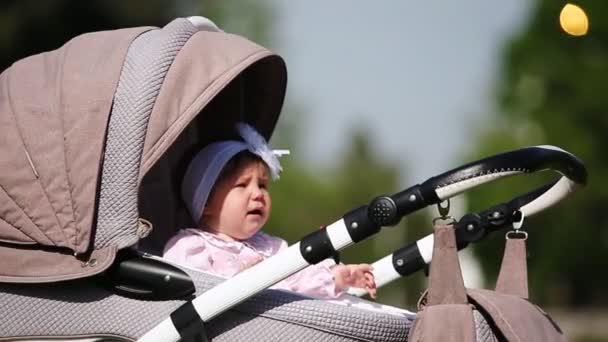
[[206, 166]]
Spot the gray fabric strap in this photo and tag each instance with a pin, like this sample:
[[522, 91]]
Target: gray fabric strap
[[145, 67], [445, 280], [189, 324], [446, 315], [513, 276]]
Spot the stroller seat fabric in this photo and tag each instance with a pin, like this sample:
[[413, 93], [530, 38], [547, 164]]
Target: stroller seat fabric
[[84, 308]]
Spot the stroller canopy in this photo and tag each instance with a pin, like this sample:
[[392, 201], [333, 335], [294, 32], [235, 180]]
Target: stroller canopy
[[82, 126]]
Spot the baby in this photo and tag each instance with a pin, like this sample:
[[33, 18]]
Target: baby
[[226, 190]]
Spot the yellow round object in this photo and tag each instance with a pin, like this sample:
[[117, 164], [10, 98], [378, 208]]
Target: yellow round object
[[573, 20]]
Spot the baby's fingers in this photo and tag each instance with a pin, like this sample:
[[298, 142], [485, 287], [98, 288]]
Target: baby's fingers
[[370, 285], [371, 289], [359, 271], [373, 293], [370, 282], [365, 268]]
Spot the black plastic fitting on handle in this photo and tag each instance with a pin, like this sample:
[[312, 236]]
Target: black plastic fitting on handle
[[359, 224], [388, 210], [407, 260], [383, 211], [316, 247], [414, 198], [135, 276], [476, 226]]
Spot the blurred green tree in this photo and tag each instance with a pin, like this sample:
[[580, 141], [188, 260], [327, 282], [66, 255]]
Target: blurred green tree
[[550, 91]]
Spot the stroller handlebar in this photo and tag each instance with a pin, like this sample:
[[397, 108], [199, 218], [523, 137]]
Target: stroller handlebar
[[388, 210], [476, 226], [525, 160]]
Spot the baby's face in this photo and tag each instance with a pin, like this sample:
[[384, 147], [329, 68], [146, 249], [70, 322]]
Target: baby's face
[[240, 205]]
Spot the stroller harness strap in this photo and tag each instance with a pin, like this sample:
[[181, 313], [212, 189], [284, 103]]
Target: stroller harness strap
[[513, 277], [446, 284], [447, 306], [188, 323], [483, 315]]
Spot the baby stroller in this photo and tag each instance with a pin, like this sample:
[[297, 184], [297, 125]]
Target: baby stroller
[[96, 136]]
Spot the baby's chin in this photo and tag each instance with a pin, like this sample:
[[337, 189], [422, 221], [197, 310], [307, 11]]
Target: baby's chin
[[252, 230], [255, 220]]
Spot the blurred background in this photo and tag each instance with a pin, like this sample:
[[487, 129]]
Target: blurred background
[[382, 96]]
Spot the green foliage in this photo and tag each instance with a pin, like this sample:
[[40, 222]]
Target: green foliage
[[551, 92], [249, 18]]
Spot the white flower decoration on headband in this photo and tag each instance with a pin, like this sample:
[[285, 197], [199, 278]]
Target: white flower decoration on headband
[[257, 145]]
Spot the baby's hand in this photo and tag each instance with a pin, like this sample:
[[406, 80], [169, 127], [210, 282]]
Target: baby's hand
[[355, 276]]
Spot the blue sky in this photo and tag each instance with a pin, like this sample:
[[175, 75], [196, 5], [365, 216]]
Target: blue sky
[[420, 75]]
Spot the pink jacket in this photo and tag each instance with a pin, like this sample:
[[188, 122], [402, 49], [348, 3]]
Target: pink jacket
[[206, 252]]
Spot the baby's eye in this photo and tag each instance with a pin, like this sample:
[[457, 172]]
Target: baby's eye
[[241, 185], [263, 186]]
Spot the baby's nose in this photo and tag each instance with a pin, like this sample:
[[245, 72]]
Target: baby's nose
[[257, 194]]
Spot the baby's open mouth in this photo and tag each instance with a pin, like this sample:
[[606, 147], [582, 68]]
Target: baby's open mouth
[[255, 212]]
